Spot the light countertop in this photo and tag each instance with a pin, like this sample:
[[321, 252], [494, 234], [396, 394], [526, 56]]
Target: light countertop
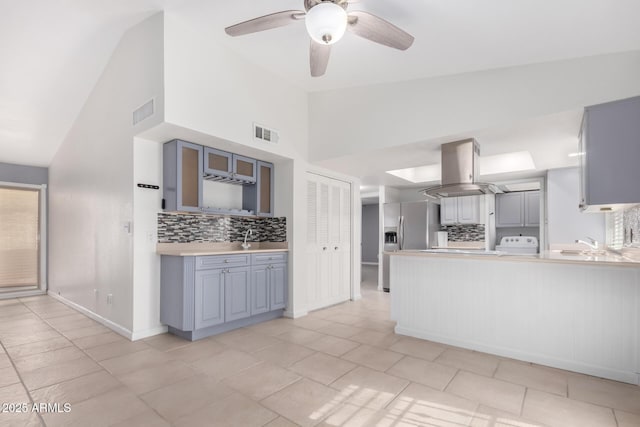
[[223, 248], [609, 259]]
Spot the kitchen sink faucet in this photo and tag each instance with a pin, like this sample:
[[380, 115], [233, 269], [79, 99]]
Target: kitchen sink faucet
[[246, 245], [592, 243]]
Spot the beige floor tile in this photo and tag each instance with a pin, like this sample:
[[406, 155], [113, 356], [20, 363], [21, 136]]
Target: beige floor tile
[[22, 419], [186, 397], [558, 411], [21, 322], [26, 337], [356, 416], [100, 339], [148, 418], [312, 323], [85, 332], [41, 360], [305, 402], [301, 336], [486, 416], [14, 393], [333, 345], [13, 310], [71, 322], [626, 419], [197, 350], [488, 391], [59, 372], [104, 410], [115, 349], [148, 379], [281, 422], [8, 376], [273, 327], [608, 393], [372, 357], [366, 387], [418, 405], [375, 338], [249, 342], [39, 347], [347, 319], [135, 361], [341, 330], [165, 342], [418, 348], [261, 380], [385, 326], [50, 313], [424, 372], [226, 363], [235, 410], [5, 362], [480, 363], [322, 368], [285, 354], [77, 389], [532, 376]]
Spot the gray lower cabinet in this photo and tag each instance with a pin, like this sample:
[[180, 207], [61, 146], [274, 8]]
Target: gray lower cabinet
[[209, 300], [207, 295]]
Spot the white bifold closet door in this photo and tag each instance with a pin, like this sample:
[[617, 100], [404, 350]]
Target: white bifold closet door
[[328, 241]]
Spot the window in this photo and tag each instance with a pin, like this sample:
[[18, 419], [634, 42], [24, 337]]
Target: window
[[21, 251], [615, 229]]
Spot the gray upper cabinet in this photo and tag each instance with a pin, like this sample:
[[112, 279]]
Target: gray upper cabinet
[[209, 298], [518, 209], [218, 162], [610, 150], [532, 209], [259, 197], [244, 168], [181, 174]]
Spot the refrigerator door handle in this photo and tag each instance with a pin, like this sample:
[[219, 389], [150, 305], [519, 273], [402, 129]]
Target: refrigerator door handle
[[400, 232]]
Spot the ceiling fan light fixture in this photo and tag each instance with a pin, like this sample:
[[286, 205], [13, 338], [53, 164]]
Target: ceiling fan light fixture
[[326, 22]]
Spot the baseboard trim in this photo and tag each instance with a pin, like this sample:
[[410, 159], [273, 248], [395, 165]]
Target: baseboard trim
[[294, 314], [138, 335], [106, 322]]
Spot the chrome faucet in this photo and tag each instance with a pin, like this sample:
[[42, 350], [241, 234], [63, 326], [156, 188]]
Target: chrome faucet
[[592, 243], [246, 245]]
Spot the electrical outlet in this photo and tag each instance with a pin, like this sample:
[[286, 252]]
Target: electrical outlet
[[110, 299]]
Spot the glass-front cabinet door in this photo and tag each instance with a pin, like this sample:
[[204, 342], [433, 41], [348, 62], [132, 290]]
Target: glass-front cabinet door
[[244, 168], [265, 189], [218, 162]]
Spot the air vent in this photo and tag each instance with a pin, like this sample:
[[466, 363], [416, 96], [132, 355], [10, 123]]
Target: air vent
[[262, 133], [143, 112]]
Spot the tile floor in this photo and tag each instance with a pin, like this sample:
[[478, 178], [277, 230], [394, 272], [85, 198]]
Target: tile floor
[[342, 366]]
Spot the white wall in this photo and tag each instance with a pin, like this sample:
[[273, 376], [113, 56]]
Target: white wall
[[399, 113], [565, 221], [91, 176], [214, 91]]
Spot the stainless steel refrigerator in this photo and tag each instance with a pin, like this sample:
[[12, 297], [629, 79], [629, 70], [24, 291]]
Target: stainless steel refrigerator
[[414, 225]]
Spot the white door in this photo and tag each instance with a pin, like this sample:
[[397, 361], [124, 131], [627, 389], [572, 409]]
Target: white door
[[328, 241]]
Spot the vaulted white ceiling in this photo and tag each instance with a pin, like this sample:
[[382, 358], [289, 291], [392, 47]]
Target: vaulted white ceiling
[[53, 52]]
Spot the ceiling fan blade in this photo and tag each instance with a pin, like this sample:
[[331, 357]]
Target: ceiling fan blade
[[378, 30], [319, 58], [266, 22]]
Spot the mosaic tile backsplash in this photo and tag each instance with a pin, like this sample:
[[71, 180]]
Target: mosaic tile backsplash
[[464, 232], [195, 228], [631, 221]]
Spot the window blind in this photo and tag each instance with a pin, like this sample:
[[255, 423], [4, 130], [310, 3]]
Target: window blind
[[615, 229], [19, 237]]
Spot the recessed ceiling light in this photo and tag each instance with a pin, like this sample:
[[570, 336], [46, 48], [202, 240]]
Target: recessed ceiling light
[[489, 165]]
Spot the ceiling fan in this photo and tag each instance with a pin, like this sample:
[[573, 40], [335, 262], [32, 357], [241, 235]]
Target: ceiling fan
[[326, 22]]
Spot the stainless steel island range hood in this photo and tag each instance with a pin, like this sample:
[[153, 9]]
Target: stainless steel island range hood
[[459, 170]]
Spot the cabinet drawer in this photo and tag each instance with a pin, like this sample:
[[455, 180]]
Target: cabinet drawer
[[269, 258], [217, 261]]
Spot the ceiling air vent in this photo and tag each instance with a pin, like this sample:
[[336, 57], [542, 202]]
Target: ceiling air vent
[[143, 112], [262, 133]]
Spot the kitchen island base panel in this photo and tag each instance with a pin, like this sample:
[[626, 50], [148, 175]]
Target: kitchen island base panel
[[226, 327], [584, 318]]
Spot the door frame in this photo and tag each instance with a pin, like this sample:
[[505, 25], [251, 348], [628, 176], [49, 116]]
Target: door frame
[[41, 288]]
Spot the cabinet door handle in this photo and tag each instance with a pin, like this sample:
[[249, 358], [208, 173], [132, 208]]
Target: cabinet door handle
[[324, 248], [336, 248], [226, 261]]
